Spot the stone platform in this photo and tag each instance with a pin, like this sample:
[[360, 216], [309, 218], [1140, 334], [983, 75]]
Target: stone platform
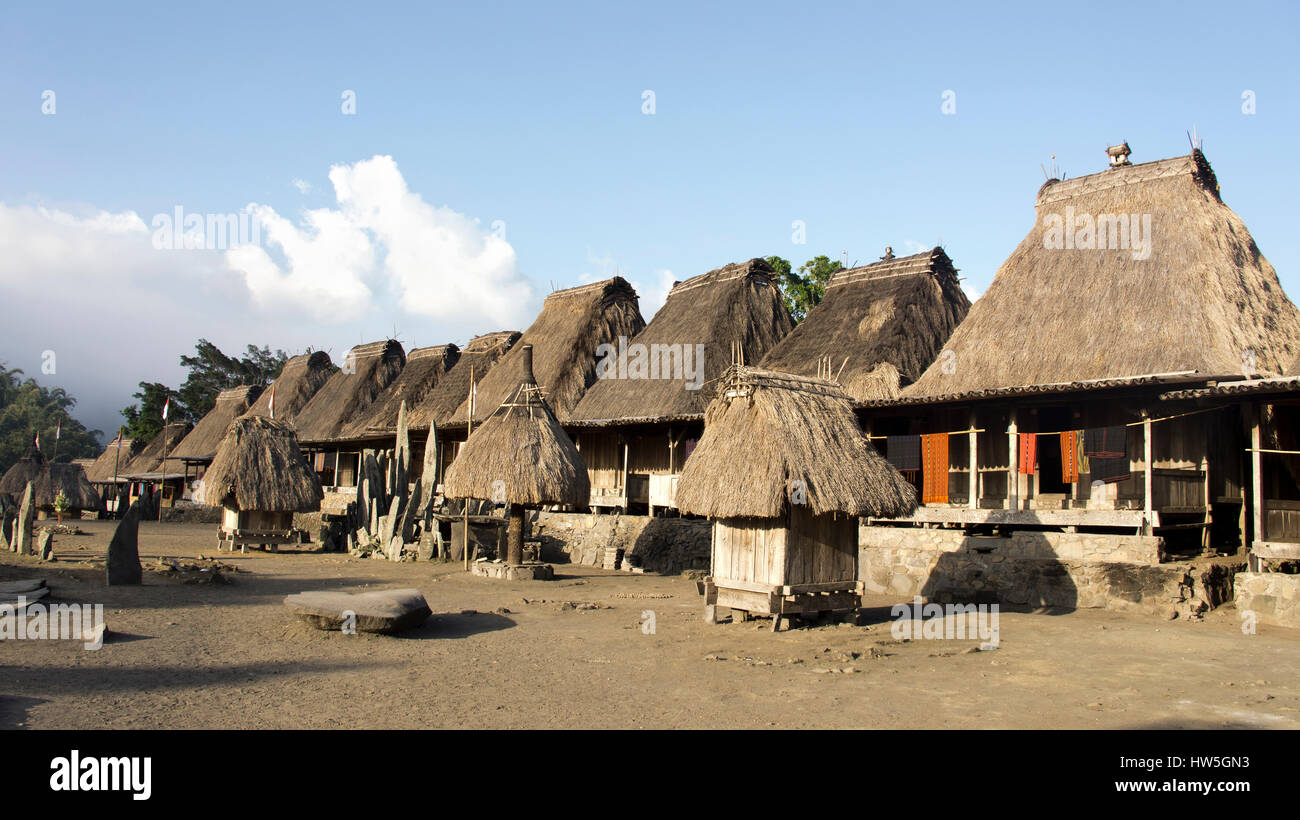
[[529, 571]]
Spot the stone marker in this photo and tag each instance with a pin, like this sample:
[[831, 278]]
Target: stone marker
[[13, 599], [23, 526], [124, 550], [385, 611], [409, 513], [15, 587], [45, 545]]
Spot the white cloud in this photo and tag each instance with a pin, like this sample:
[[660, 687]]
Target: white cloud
[[303, 186], [655, 294]]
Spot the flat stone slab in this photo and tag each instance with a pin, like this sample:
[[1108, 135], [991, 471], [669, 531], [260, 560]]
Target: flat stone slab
[[28, 597], [385, 611], [529, 571], [26, 585]]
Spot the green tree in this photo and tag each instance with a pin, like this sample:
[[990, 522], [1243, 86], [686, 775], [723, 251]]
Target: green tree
[[212, 371], [27, 410], [144, 418], [802, 291]]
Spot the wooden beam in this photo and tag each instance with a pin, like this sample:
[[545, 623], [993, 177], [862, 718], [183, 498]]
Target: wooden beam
[[1257, 477], [1013, 459], [972, 437], [1149, 466]]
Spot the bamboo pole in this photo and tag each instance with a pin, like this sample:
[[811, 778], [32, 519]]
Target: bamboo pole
[[1147, 483], [1013, 462], [469, 428], [973, 502]]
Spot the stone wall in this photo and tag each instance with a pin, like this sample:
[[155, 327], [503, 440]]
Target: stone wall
[[1037, 569], [1274, 597], [664, 545]]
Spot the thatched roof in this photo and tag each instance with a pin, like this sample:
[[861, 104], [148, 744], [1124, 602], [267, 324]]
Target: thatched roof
[[50, 480], [425, 369], [367, 370], [119, 454], [767, 429], [883, 324], [201, 443], [1203, 297], [259, 466], [520, 454], [478, 357], [736, 303], [298, 382], [150, 459], [572, 324]]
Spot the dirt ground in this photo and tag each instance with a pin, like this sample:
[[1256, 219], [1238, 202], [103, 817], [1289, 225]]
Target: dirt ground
[[501, 654]]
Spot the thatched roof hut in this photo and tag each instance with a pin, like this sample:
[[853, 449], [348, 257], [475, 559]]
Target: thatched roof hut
[[520, 456], [112, 462], [149, 461], [1177, 287], [259, 467], [50, 480], [479, 356], [572, 324], [766, 429], [298, 382], [425, 369], [367, 370], [522, 445], [739, 302], [880, 325], [201, 443]]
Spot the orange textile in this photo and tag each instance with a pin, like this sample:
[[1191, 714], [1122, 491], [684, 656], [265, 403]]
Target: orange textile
[[934, 466], [1070, 457], [1028, 453]]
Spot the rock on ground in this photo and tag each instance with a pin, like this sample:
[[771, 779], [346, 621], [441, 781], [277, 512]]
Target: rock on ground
[[385, 611]]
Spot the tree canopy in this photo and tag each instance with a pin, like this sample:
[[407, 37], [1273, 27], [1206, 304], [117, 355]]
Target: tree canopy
[[802, 291], [27, 410]]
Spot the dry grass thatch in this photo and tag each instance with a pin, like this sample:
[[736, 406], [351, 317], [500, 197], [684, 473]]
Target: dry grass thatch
[[367, 370], [736, 303], [113, 460], [425, 369], [479, 356], [298, 382], [1203, 298], [201, 443], [881, 325], [150, 459], [765, 430], [259, 466], [50, 480], [520, 455], [572, 324]]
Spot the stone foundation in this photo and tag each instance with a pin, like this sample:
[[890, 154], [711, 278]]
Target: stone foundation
[[1038, 569], [1274, 597], [513, 572], [632, 542]]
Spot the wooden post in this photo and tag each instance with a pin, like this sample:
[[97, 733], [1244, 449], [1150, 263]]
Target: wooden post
[[469, 428], [1013, 459], [1147, 474], [515, 535], [972, 437], [1256, 478], [627, 496]]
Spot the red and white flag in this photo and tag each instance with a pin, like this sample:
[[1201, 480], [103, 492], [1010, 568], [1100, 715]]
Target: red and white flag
[[272, 403], [167, 404], [58, 431], [38, 441]]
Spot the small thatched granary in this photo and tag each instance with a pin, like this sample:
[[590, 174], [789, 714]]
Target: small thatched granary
[[572, 325], [784, 471], [49, 481], [520, 456], [649, 399], [435, 413], [879, 325], [367, 371], [200, 445], [299, 381], [260, 478]]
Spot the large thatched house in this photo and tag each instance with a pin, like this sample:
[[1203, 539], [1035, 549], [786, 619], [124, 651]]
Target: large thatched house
[[565, 337], [1043, 409], [521, 457], [49, 481], [878, 327], [196, 450], [154, 470], [636, 423], [260, 478], [784, 471], [106, 474], [300, 379], [367, 371]]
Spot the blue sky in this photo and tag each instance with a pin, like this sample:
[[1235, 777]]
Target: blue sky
[[531, 115]]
